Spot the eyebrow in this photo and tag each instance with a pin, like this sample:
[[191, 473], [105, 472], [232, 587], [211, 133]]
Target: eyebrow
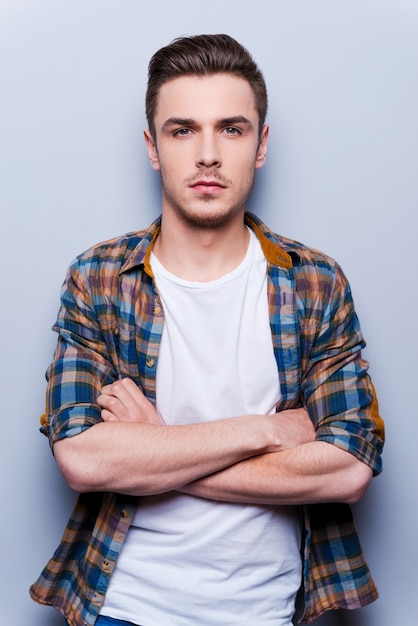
[[188, 121], [236, 119]]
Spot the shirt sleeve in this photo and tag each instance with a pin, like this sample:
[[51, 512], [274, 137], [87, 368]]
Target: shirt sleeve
[[82, 363], [337, 388]]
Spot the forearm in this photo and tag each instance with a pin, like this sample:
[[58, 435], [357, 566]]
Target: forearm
[[145, 459], [310, 473], [133, 452]]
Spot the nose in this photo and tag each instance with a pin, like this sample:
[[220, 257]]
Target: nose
[[208, 154]]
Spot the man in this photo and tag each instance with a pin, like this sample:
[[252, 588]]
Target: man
[[208, 398]]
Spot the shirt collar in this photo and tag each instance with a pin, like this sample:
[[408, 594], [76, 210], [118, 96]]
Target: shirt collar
[[142, 252], [274, 248]]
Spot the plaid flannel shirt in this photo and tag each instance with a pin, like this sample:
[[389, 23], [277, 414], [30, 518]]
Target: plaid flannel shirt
[[110, 325]]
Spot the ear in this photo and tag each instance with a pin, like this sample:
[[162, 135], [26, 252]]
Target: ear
[[262, 148], [152, 150]]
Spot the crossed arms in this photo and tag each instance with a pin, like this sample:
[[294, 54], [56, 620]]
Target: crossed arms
[[117, 442], [255, 459]]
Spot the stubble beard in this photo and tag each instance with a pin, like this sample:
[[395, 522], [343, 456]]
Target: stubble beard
[[212, 218]]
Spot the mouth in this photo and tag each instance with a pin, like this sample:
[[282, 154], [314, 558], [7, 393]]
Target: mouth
[[208, 186]]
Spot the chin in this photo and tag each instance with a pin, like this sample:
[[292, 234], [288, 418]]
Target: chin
[[209, 219]]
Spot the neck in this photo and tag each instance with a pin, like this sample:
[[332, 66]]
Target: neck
[[201, 254]]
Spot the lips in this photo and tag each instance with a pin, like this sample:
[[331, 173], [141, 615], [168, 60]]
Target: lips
[[208, 185]]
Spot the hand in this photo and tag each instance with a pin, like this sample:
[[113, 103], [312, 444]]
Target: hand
[[123, 401], [295, 427]]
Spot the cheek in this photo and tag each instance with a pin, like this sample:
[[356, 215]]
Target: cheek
[[175, 162], [240, 158], [245, 168]]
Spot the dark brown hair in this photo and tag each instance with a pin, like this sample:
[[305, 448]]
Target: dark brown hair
[[203, 55]]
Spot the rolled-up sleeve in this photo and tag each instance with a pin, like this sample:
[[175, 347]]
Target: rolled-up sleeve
[[81, 365], [337, 388]]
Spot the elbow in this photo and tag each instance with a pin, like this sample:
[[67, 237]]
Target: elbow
[[74, 465], [358, 481]]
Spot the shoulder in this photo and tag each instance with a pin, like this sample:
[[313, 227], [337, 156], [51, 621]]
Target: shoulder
[[306, 263], [115, 250], [319, 281], [304, 256], [113, 255]]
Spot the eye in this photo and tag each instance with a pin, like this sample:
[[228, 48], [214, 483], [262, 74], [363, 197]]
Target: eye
[[232, 130], [182, 132]]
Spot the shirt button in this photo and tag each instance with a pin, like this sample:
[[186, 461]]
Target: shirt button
[[157, 309], [150, 362], [124, 513], [105, 566]]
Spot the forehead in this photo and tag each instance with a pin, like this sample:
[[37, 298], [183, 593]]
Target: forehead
[[215, 96]]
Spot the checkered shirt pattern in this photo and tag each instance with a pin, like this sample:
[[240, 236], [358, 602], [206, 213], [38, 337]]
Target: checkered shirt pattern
[[110, 325]]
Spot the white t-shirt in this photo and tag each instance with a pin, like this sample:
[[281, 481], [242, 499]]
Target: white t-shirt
[[188, 561]]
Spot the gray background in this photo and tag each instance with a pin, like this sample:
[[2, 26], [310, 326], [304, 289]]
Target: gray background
[[341, 176]]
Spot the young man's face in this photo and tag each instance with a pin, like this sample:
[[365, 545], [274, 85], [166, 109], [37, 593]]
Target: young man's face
[[207, 147]]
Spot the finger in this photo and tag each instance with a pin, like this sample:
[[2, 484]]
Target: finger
[[127, 387], [134, 405], [114, 406], [131, 396], [111, 389], [124, 389], [108, 416], [117, 399]]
